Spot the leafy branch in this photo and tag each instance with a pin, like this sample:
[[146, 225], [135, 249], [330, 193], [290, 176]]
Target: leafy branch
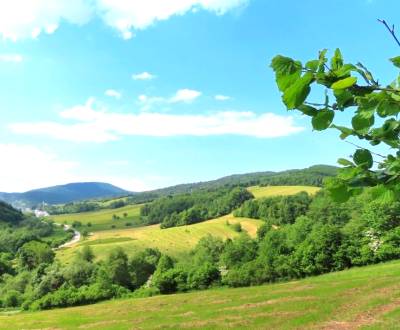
[[367, 103]]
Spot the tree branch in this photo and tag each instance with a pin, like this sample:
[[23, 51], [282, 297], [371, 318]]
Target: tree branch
[[391, 30], [359, 147]]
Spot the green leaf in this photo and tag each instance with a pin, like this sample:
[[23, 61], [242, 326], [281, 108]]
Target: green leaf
[[322, 60], [312, 65], [344, 83], [363, 120], [338, 190], [337, 60], [308, 110], [388, 107], [285, 65], [363, 158], [345, 70], [396, 61], [285, 81], [345, 162], [296, 94], [344, 98], [323, 119], [345, 131], [287, 71]]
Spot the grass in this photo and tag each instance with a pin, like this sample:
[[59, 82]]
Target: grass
[[367, 297], [177, 241], [271, 191], [102, 219]]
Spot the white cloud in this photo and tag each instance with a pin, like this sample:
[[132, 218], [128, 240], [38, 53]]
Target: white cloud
[[26, 167], [14, 58], [143, 76], [29, 18], [126, 16], [182, 95], [113, 93], [185, 95], [222, 97], [21, 19], [92, 125]]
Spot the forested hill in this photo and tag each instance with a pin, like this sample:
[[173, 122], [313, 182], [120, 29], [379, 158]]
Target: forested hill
[[9, 214], [311, 176], [63, 194]]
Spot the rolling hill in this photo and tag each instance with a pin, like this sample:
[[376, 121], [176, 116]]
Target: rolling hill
[[366, 297], [177, 241], [63, 194], [110, 232]]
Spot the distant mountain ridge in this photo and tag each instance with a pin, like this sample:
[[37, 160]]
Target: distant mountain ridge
[[76, 192], [62, 194]]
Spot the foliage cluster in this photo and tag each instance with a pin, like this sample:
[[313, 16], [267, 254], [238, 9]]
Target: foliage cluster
[[186, 209], [374, 112]]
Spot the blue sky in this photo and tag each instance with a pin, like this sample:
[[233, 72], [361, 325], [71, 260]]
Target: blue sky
[[150, 94]]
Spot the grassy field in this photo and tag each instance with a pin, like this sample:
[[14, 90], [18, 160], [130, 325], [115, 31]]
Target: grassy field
[[103, 219], [366, 298], [175, 241], [270, 191]]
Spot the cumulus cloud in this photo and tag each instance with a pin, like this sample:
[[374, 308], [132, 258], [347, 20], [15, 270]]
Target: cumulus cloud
[[113, 93], [93, 125], [14, 58], [29, 18], [126, 16], [222, 97], [26, 167], [143, 76], [21, 19], [185, 95]]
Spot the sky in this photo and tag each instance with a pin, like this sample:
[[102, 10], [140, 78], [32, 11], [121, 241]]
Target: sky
[[148, 94]]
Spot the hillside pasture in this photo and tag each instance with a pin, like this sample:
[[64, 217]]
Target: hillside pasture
[[176, 241], [102, 219], [271, 191], [367, 298]]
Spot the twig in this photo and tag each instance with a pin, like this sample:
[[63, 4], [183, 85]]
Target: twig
[[374, 153], [391, 30]]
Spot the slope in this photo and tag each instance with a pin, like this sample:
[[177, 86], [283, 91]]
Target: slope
[[365, 297]]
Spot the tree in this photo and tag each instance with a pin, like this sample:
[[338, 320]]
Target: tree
[[117, 268], [355, 89], [33, 253], [143, 265]]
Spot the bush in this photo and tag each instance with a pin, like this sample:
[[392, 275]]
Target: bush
[[237, 227], [76, 224], [11, 299]]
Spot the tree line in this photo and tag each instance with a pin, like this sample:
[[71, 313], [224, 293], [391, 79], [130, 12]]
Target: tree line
[[301, 236]]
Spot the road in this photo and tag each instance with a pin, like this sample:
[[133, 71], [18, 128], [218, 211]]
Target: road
[[75, 238]]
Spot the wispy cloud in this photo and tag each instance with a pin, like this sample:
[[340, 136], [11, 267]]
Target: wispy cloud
[[143, 76], [43, 168], [94, 125], [29, 18], [14, 58], [185, 95], [113, 93], [220, 97]]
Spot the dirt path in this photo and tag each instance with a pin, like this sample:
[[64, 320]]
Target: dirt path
[[75, 239]]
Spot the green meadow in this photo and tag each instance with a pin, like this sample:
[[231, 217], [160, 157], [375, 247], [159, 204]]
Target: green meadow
[[103, 219], [271, 191], [176, 241], [360, 298]]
